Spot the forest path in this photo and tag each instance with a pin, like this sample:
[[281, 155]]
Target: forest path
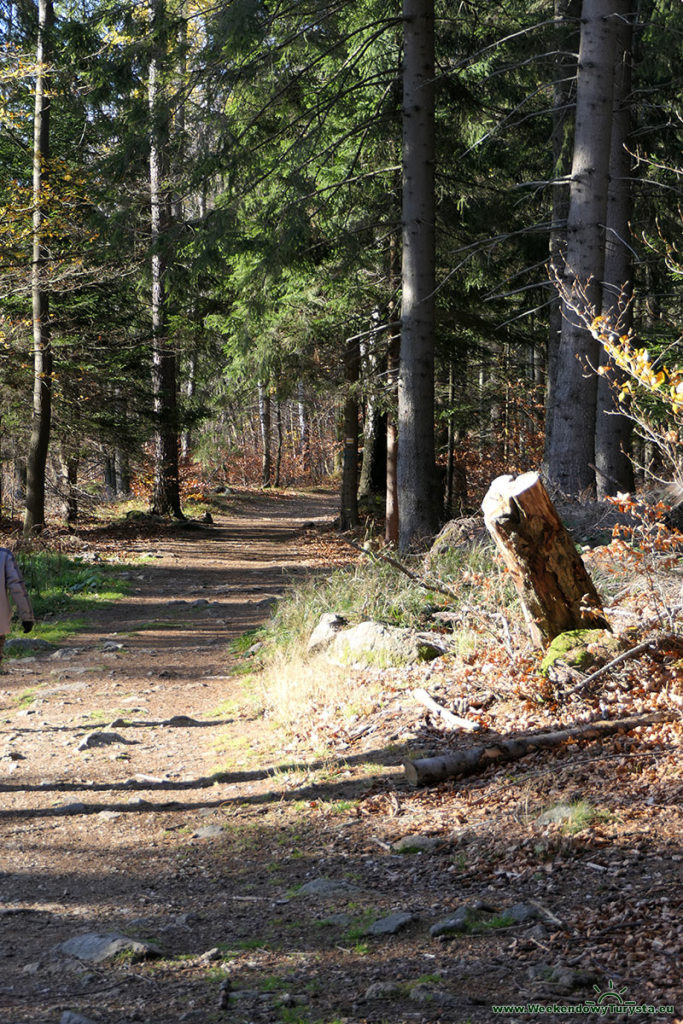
[[113, 754]]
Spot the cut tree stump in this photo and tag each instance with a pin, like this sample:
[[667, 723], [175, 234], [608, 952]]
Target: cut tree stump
[[428, 771], [556, 592]]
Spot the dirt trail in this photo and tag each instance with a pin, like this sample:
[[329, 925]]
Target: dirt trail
[[109, 752], [191, 831]]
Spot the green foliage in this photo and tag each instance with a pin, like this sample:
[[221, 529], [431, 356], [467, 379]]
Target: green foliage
[[59, 584], [377, 590]]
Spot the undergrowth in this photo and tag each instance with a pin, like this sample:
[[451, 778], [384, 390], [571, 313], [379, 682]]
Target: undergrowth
[[375, 589], [63, 588]]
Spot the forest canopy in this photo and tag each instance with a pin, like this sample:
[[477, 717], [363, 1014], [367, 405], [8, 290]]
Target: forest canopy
[[268, 242]]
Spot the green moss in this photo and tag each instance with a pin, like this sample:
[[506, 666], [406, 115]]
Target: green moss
[[573, 646]]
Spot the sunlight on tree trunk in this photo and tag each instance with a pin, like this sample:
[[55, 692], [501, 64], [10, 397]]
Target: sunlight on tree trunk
[[34, 517], [416, 470]]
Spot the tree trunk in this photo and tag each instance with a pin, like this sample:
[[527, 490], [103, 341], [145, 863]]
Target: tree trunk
[[416, 477], [264, 424], [614, 470], [190, 384], [374, 437], [556, 592], [571, 450], [349, 489], [68, 470], [566, 34], [166, 496], [34, 516], [278, 450], [304, 430], [391, 513], [428, 771]]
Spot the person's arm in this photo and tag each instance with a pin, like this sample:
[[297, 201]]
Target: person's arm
[[19, 594]]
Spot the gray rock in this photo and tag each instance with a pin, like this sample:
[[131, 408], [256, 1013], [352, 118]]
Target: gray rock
[[383, 990], [374, 644], [561, 979], [201, 602], [66, 654], [102, 739], [208, 832], [97, 948], [466, 918], [426, 994], [211, 955], [416, 844], [324, 633], [68, 1017], [28, 645], [520, 913], [327, 887], [557, 815], [391, 924], [112, 645]]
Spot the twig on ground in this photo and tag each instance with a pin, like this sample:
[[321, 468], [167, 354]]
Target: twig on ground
[[454, 721], [633, 652]]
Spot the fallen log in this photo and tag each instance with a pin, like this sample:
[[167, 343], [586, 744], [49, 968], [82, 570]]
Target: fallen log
[[427, 771], [449, 718], [556, 592]]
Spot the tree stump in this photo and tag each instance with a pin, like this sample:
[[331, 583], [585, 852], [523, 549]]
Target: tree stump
[[556, 592]]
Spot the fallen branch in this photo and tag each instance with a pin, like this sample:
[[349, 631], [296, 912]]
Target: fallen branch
[[454, 721], [430, 770]]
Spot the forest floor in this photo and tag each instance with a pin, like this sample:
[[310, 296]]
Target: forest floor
[[146, 796]]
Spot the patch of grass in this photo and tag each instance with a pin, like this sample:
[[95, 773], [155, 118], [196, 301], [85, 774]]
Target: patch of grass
[[272, 983], [358, 930], [245, 641], [27, 697], [62, 588]]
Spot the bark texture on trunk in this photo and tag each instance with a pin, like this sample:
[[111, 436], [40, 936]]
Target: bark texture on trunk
[[391, 510], [264, 424], [166, 496], [556, 592], [571, 448], [34, 516], [349, 489], [564, 94], [614, 469], [418, 515]]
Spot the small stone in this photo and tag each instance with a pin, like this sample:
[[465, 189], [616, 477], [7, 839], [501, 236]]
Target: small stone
[[383, 990], [68, 1017], [102, 739], [327, 887], [97, 948], [112, 645], [416, 844], [391, 924], [211, 955], [208, 832], [324, 633]]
